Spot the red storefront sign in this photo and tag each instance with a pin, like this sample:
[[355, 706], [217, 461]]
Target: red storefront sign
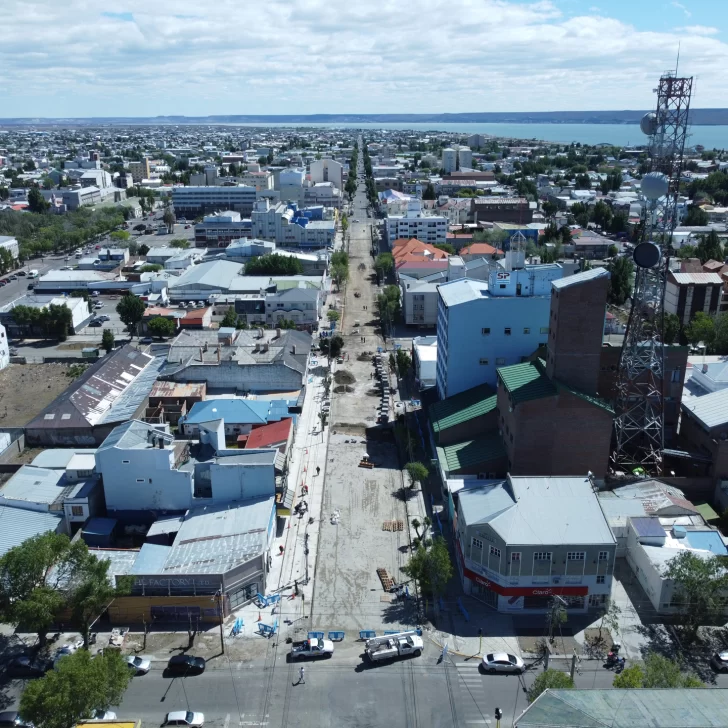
[[521, 591]]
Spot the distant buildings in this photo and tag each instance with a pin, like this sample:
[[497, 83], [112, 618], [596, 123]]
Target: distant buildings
[[501, 209], [327, 170]]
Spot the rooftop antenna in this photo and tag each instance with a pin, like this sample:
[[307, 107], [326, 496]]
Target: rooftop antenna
[[677, 62]]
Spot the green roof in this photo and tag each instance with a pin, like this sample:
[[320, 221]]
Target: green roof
[[706, 511], [471, 452], [526, 381], [596, 401], [462, 407]]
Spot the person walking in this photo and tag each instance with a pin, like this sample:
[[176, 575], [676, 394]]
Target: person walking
[[301, 680]]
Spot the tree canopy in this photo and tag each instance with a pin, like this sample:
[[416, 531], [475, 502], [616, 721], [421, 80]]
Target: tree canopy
[[161, 327], [656, 672], [620, 281], [273, 264], [549, 679], [431, 567], [131, 310], [54, 320]]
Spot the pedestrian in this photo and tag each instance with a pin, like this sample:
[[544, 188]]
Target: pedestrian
[[301, 672], [280, 548], [318, 469]]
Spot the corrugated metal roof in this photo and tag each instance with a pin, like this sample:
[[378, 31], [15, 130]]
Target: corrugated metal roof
[[648, 527], [471, 452], [462, 407], [151, 559], [687, 708], [583, 277], [165, 526], [710, 409], [58, 458], [526, 381], [18, 525], [34, 485], [684, 279]]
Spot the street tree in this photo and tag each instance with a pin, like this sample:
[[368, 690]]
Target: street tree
[[720, 342], [701, 329], [169, 219], [404, 362], [119, 236], [384, 264], [339, 274], [610, 619], [549, 679], [332, 346], [107, 340], [620, 281], [657, 671], [700, 588], [181, 243], [417, 472], [416, 525], [612, 250], [80, 684], [161, 327], [333, 315], [131, 310], [143, 250], [431, 567], [230, 319], [555, 617]]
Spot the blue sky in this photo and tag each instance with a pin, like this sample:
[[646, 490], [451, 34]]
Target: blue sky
[[136, 58]]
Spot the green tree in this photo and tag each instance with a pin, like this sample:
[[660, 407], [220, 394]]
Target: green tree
[[30, 575], [671, 328], [720, 342], [169, 219], [695, 216], [687, 251], [549, 208], [384, 264], [332, 346], [431, 567], [701, 329], [230, 319], [612, 250], [80, 684], [429, 192], [656, 672], [549, 680], [143, 250], [709, 247], [150, 268], [610, 619], [131, 311], [404, 362], [120, 235], [36, 201], [161, 327], [620, 282], [339, 274], [273, 264], [107, 340], [417, 472], [181, 243], [340, 257], [700, 586], [333, 315], [446, 247], [344, 223]]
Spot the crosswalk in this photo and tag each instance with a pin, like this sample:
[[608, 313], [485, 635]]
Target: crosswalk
[[471, 706]]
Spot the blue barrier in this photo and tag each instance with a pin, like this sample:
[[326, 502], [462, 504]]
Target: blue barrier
[[367, 634], [337, 636], [237, 627], [463, 610], [274, 599], [390, 631], [268, 630], [260, 601], [315, 635]]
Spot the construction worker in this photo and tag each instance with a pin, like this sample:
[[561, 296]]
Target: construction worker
[[301, 680]]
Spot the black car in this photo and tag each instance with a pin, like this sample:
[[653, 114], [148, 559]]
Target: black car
[[25, 666], [186, 665], [11, 719], [96, 322]]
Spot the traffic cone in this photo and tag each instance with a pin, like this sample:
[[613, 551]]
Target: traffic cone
[[259, 617]]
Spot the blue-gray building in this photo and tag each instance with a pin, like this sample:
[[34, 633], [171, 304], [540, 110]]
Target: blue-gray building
[[483, 325]]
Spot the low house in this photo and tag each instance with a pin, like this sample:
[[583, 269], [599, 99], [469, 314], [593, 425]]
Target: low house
[[241, 416]]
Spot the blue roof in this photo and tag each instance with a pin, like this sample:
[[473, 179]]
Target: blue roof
[[151, 559], [239, 411], [707, 541], [18, 525], [100, 526], [648, 527]]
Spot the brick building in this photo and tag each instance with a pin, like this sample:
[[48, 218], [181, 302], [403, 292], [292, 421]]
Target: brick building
[[501, 209]]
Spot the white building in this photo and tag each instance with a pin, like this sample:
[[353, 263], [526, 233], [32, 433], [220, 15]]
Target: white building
[[449, 160], [424, 349], [327, 170], [193, 201], [261, 179], [80, 314], [416, 224], [322, 193], [11, 245], [218, 230], [4, 348], [175, 258], [289, 183], [465, 158], [286, 225], [302, 305]]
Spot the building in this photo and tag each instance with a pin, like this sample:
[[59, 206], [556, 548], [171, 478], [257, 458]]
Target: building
[[174, 258], [589, 245], [168, 401], [19, 525], [240, 416], [113, 390], [80, 314], [521, 541], [704, 433], [246, 248], [241, 361], [140, 170], [322, 193], [626, 708], [424, 359], [688, 293], [211, 278], [328, 170], [449, 160], [477, 141], [4, 348], [465, 158], [220, 229], [482, 326], [10, 244], [416, 224], [302, 305], [501, 209], [194, 201], [288, 226]]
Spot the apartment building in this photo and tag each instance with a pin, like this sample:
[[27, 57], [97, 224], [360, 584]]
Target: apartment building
[[502, 209], [328, 170], [140, 170], [193, 201], [416, 224], [286, 224], [220, 229], [688, 293]]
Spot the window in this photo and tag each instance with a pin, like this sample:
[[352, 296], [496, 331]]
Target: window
[[544, 330], [507, 331], [494, 551], [125, 462], [77, 510], [542, 556], [516, 556], [485, 332], [575, 555], [500, 361], [502, 285], [604, 556], [526, 330], [484, 362], [477, 543], [601, 579], [675, 377]]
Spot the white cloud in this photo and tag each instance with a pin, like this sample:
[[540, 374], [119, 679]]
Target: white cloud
[[680, 6], [135, 58], [698, 30]]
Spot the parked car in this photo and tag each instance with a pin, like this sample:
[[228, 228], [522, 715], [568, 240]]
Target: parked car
[[94, 294], [200, 304], [719, 661], [101, 714], [95, 323], [146, 340], [185, 718], [503, 662], [13, 277], [186, 664], [99, 304], [22, 273], [103, 317], [13, 352], [12, 719], [25, 666], [140, 665], [3, 283]]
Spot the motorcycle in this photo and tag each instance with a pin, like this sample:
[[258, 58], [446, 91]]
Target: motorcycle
[[620, 665]]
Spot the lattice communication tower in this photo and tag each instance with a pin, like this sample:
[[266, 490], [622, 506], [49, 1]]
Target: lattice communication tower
[[640, 415]]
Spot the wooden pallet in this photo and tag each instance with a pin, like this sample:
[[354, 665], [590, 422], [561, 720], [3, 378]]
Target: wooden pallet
[[386, 579], [393, 526]]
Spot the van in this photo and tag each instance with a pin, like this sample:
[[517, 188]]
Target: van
[[33, 273]]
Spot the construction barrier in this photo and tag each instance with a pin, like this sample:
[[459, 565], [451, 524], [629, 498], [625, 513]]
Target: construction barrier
[[315, 635], [337, 636], [367, 634], [267, 630]]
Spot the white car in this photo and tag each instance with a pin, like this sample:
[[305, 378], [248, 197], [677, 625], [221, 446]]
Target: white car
[[185, 718], [102, 714], [503, 662], [140, 665]]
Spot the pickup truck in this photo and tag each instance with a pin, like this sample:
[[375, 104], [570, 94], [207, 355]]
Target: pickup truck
[[393, 647], [312, 648]]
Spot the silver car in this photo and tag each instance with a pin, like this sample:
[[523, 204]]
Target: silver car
[[140, 665], [185, 718], [503, 662]]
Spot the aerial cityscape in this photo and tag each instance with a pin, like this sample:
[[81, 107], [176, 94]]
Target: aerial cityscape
[[364, 378]]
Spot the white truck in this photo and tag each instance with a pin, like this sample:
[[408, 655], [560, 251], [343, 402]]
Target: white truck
[[312, 648], [393, 646]]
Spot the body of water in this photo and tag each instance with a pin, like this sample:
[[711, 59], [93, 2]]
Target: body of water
[[711, 137]]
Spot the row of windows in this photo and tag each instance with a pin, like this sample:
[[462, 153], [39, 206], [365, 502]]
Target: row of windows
[[507, 330], [540, 555]]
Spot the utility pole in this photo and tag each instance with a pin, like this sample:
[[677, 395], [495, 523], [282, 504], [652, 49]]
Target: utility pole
[[222, 633]]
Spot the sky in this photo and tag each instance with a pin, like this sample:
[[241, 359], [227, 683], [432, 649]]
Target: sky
[[82, 58]]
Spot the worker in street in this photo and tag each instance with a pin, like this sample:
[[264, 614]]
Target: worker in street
[[301, 680]]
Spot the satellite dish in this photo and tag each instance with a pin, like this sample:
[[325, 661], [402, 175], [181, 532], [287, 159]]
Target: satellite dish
[[648, 123], [654, 185], [646, 255]]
